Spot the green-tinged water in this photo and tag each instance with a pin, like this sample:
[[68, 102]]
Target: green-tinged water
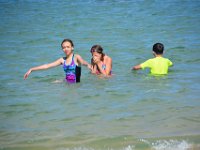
[[129, 111]]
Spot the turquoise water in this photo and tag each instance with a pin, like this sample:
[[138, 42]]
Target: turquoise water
[[131, 110]]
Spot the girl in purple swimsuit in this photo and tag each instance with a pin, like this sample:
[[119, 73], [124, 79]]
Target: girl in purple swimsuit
[[72, 71], [71, 63]]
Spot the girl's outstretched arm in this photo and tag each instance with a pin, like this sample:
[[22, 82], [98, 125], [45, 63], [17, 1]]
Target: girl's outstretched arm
[[43, 67], [83, 62]]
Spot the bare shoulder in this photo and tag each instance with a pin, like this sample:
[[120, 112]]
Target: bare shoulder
[[107, 58], [77, 56], [77, 59], [61, 60]]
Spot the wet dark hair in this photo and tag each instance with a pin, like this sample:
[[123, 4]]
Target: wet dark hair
[[158, 48], [97, 48], [67, 40]]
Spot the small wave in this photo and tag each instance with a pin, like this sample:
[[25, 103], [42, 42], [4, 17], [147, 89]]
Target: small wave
[[76, 148], [171, 145], [158, 145], [168, 144], [129, 147]]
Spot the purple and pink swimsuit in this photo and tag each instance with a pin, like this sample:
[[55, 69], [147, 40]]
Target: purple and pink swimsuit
[[72, 71]]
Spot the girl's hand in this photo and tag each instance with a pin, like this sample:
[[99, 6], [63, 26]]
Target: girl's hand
[[27, 73], [89, 66], [93, 69], [96, 60]]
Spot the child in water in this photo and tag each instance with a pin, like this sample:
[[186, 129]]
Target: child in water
[[71, 63], [158, 65], [101, 63]]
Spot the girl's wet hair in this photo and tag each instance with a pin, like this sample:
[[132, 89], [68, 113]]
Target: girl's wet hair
[[97, 48], [67, 40]]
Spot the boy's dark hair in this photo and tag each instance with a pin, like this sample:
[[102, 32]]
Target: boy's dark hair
[[158, 48]]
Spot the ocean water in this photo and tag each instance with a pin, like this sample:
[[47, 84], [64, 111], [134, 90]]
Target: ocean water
[[129, 111]]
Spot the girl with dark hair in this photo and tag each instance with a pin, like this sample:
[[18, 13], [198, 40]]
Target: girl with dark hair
[[101, 63], [71, 63]]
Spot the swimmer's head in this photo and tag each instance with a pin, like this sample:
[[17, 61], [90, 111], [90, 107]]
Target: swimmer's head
[[96, 48], [158, 48], [67, 46], [67, 40]]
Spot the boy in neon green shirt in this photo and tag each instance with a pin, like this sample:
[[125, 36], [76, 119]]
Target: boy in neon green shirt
[[158, 65]]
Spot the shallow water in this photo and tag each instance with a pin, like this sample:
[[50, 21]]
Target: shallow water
[[131, 110]]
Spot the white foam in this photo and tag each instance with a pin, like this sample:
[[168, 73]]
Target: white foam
[[171, 145], [129, 147], [76, 148], [158, 145]]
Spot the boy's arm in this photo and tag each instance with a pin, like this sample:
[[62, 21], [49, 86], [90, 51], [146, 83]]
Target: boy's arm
[[137, 67], [146, 64], [170, 63]]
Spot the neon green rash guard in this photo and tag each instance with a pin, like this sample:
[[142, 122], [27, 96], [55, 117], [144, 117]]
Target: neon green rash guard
[[157, 65]]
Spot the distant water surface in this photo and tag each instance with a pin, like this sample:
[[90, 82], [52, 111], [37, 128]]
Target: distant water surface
[[131, 110]]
